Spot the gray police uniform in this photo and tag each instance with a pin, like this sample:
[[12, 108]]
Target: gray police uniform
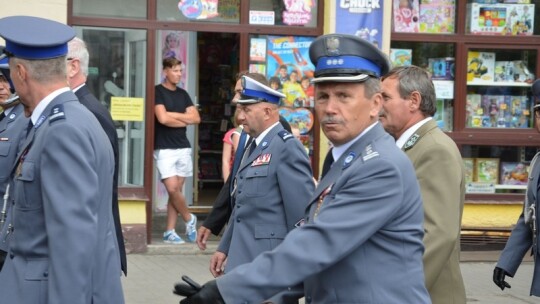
[[365, 245], [63, 247], [524, 237], [11, 132], [274, 185]]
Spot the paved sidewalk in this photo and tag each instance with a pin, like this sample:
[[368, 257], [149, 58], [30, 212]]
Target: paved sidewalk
[[151, 276]]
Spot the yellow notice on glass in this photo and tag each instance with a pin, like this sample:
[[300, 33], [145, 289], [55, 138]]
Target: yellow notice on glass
[[127, 108]]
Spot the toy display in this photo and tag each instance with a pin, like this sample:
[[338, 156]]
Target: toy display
[[487, 170], [442, 68], [497, 111], [469, 169], [406, 17], [437, 16], [514, 173], [481, 67], [400, 57], [444, 114], [501, 19]]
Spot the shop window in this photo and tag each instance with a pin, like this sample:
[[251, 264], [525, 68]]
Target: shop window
[[224, 11], [110, 8], [284, 60], [496, 169], [439, 60], [116, 76], [280, 12]]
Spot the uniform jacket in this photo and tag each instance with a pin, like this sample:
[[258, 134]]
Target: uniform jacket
[[365, 245], [274, 185], [105, 120], [439, 169], [12, 129], [63, 247], [521, 239]]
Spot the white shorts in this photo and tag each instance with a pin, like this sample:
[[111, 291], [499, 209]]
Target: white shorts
[[174, 162]]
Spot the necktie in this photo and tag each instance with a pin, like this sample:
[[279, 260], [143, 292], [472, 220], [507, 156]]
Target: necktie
[[328, 161], [252, 147], [29, 127], [2, 115]]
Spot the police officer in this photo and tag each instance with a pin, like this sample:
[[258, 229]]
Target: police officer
[[64, 249], [525, 234], [362, 237], [12, 123], [272, 185]]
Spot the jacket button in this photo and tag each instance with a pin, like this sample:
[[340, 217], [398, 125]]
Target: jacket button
[[46, 274], [272, 234], [11, 256], [308, 299], [238, 220]]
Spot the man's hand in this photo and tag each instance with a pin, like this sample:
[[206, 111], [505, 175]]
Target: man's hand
[[499, 275], [202, 236], [209, 293], [217, 263]]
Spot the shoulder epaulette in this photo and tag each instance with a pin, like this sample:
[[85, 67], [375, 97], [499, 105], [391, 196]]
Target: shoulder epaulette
[[285, 135], [57, 113]]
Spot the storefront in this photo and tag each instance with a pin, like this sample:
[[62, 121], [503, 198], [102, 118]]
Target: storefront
[[127, 41], [482, 54]]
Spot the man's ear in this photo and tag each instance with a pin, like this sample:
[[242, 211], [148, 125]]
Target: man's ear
[[415, 99], [73, 67]]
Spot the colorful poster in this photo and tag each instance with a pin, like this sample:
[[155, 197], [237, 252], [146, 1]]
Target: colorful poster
[[199, 9], [257, 50], [361, 18], [297, 12], [174, 44], [289, 68], [257, 68]]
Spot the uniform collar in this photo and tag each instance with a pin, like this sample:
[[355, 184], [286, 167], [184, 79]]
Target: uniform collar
[[337, 151], [45, 102], [410, 131], [263, 134]]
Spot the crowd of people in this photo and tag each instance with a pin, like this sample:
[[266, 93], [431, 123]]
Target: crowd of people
[[381, 224]]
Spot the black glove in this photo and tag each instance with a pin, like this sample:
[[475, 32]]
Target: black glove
[[209, 293], [186, 290], [498, 278]]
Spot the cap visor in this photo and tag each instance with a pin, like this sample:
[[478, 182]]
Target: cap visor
[[248, 101], [355, 78]]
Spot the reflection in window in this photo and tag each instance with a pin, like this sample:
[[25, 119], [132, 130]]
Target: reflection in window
[[292, 12], [110, 8], [117, 70], [225, 11]]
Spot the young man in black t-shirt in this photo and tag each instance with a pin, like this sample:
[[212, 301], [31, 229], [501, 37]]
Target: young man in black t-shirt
[[172, 151]]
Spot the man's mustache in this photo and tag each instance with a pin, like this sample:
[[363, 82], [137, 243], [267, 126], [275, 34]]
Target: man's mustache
[[331, 120]]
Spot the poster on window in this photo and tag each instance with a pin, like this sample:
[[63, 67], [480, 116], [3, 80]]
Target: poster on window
[[289, 69], [174, 44], [361, 18]]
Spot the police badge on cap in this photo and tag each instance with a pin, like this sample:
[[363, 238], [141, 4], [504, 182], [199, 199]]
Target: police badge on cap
[[254, 92], [346, 58]]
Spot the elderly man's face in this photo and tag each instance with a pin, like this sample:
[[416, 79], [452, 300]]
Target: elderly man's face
[[344, 111]]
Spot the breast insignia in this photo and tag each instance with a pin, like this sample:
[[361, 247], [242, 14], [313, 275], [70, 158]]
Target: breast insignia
[[411, 142]]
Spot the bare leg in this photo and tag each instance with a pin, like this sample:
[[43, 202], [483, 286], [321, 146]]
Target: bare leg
[[177, 202]]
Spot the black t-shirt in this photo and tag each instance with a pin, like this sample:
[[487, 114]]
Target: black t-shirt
[[174, 101]]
